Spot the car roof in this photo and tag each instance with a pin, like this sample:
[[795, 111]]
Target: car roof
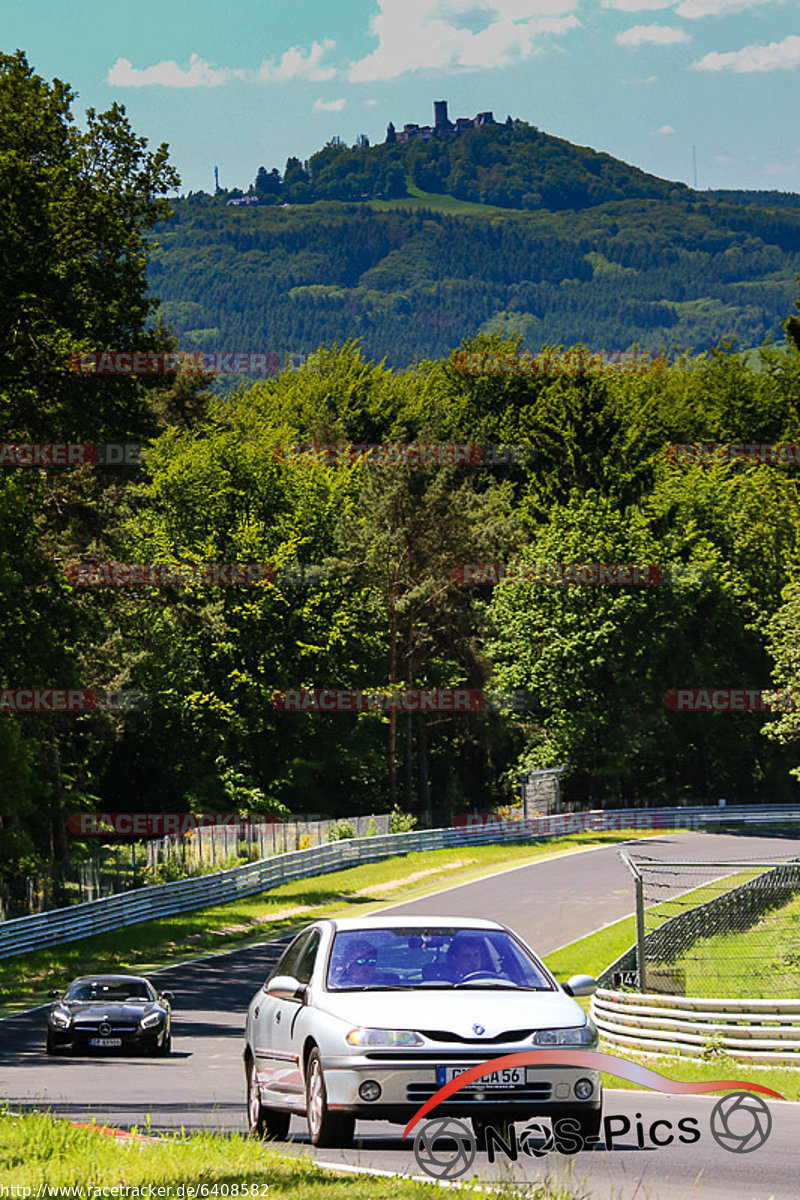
[[110, 979], [345, 924]]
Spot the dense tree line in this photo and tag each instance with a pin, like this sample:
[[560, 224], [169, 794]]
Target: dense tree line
[[364, 594]]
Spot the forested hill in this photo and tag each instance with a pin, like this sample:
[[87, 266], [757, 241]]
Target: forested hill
[[513, 165], [412, 277], [412, 247]]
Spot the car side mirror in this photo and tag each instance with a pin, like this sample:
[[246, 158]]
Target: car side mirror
[[168, 996], [286, 987], [580, 985], [54, 994]]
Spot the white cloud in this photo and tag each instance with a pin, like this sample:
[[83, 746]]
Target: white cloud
[[724, 160], [775, 168], [451, 35], [295, 63], [777, 56], [370, 103], [167, 74], [665, 129], [637, 5], [692, 9], [657, 35], [330, 105]]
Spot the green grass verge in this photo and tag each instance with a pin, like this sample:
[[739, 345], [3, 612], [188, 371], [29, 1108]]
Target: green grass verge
[[760, 962], [785, 1080], [38, 1150], [26, 978]]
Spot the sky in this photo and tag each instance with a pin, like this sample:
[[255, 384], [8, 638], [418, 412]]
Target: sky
[[251, 82]]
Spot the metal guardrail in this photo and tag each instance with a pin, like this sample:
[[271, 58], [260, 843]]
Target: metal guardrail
[[766, 1031], [23, 934]]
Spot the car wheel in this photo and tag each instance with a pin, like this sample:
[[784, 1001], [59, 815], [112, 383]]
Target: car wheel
[[49, 1046], [587, 1124], [333, 1130], [165, 1048], [263, 1122], [501, 1126]]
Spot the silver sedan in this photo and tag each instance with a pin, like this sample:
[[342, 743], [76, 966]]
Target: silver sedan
[[367, 1018]]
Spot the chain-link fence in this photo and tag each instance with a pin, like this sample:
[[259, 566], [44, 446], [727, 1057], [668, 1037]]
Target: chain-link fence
[[726, 929]]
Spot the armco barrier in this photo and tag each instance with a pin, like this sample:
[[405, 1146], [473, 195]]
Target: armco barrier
[[186, 895], [766, 1031]]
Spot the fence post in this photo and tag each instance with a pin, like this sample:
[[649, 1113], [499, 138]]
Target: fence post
[[641, 946]]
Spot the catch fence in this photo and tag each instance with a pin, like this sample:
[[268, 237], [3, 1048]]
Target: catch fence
[[713, 928]]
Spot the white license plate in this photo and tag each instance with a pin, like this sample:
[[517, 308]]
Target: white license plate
[[508, 1077], [105, 1041]]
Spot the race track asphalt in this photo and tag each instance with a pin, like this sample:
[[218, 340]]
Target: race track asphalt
[[549, 903]]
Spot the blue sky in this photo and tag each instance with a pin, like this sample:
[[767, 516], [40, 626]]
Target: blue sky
[[252, 82]]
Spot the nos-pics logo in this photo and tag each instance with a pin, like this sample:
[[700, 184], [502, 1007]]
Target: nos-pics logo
[[445, 1147]]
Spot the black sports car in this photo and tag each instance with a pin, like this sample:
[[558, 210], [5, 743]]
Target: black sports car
[[110, 1012]]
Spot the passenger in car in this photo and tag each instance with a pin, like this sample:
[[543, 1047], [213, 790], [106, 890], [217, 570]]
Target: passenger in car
[[359, 970]]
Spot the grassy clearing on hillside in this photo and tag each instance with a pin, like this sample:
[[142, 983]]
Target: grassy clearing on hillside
[[356, 891], [40, 1150], [439, 202]]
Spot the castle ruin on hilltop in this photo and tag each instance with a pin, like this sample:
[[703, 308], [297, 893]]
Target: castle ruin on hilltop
[[442, 125]]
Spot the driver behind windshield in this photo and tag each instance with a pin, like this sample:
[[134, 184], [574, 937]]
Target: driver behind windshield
[[465, 957]]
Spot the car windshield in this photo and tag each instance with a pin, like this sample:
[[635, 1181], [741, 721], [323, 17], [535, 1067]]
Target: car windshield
[[112, 990], [441, 957]]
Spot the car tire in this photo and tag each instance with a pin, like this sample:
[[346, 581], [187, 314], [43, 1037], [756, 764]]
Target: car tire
[[165, 1049], [49, 1046], [264, 1122], [326, 1129], [589, 1122], [501, 1126]]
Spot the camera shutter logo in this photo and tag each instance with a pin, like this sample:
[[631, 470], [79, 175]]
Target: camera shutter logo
[[447, 1161], [740, 1122], [537, 1140]]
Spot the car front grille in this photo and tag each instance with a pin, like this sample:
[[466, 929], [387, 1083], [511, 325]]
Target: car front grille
[[94, 1028], [509, 1035], [432, 1057], [418, 1093]]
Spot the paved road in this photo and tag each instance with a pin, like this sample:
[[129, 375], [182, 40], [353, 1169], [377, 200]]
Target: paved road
[[550, 903]]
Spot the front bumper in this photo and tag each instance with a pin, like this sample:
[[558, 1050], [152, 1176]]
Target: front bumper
[[146, 1041], [406, 1087]]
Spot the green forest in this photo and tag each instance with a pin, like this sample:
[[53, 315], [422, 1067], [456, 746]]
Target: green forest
[[376, 605]]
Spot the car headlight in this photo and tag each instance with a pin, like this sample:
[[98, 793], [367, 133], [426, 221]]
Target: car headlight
[[151, 1020], [60, 1017], [384, 1037], [581, 1035]]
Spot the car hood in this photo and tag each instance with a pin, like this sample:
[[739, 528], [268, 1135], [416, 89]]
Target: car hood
[[118, 1011], [455, 1011]]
